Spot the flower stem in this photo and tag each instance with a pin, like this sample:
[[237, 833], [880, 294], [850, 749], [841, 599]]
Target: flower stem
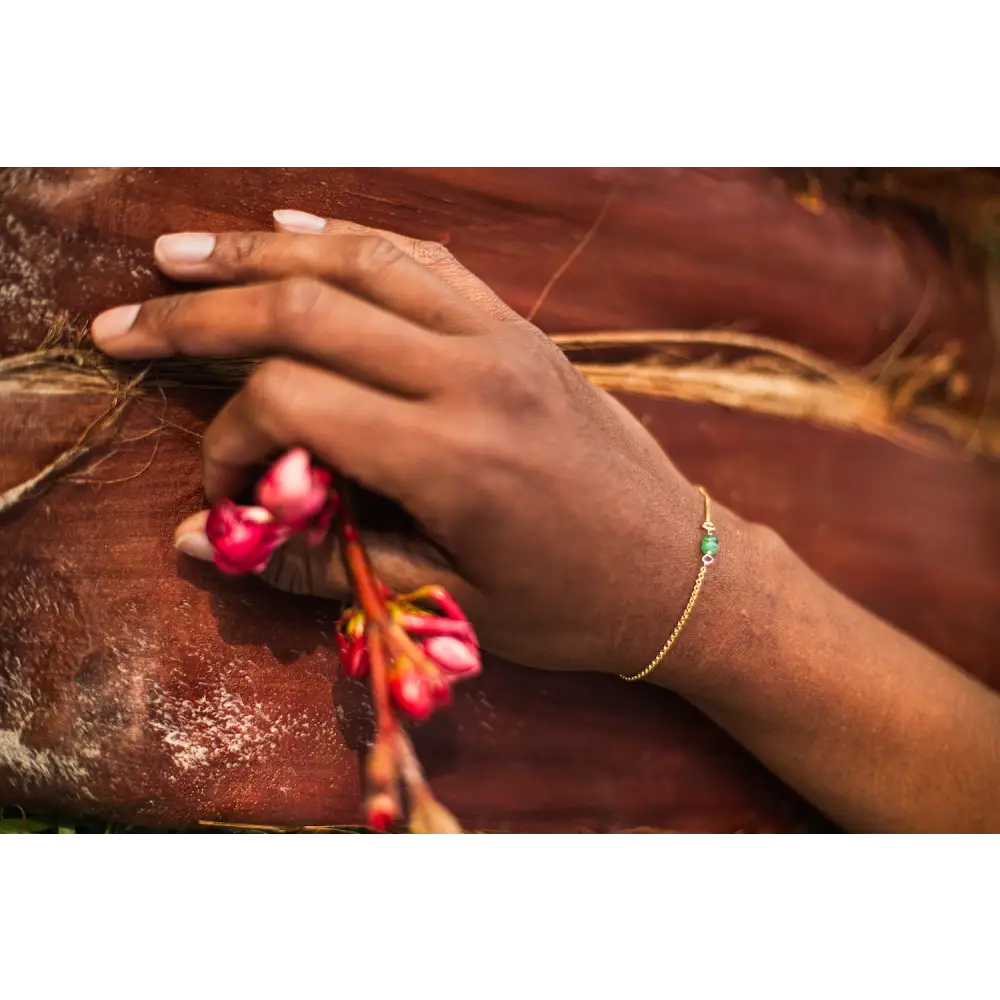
[[368, 590], [387, 640], [379, 683], [427, 815], [409, 768], [366, 585]]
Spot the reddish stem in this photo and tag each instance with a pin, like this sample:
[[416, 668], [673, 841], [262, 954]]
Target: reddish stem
[[368, 589], [386, 639], [410, 770], [366, 584], [380, 682]]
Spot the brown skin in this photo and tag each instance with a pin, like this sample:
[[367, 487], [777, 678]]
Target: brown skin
[[557, 522]]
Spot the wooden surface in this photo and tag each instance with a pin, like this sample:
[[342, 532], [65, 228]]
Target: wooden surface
[[140, 685]]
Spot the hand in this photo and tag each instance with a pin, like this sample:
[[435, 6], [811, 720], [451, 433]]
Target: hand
[[552, 516]]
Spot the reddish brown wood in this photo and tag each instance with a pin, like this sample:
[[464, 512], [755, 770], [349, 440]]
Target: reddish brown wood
[[137, 685]]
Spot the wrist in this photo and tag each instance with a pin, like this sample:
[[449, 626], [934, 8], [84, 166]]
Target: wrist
[[732, 616]]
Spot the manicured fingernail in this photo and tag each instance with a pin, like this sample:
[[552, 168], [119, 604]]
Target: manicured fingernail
[[113, 323], [301, 222], [184, 248], [196, 545]]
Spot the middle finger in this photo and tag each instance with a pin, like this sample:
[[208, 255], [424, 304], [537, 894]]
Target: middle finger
[[301, 317]]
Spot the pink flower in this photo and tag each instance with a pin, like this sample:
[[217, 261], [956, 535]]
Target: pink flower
[[446, 638], [298, 494], [412, 692], [318, 529], [440, 689], [381, 812], [352, 645], [243, 537], [423, 625], [419, 682], [418, 689], [457, 658], [353, 657]]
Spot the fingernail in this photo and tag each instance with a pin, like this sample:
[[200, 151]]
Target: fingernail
[[301, 222], [196, 545], [113, 323], [184, 248]]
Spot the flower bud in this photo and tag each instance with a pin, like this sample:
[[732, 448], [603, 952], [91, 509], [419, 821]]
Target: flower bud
[[440, 689], [352, 623], [317, 531], [456, 658], [243, 537], [297, 493], [439, 598], [426, 625], [410, 690], [444, 634], [354, 661], [381, 812], [352, 644]]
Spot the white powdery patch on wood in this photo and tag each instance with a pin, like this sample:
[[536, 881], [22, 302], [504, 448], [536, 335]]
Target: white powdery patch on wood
[[212, 730], [222, 730], [38, 767], [35, 263]]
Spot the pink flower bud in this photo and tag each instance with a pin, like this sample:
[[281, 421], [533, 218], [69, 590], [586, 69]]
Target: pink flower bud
[[411, 692], [318, 529], [440, 599], [243, 537], [381, 812], [423, 625], [295, 492], [457, 658], [446, 637], [354, 660], [440, 689], [352, 644]]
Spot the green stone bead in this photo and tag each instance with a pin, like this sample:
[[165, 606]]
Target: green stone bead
[[710, 545]]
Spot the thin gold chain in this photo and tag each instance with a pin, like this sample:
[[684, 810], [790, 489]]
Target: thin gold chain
[[706, 560]]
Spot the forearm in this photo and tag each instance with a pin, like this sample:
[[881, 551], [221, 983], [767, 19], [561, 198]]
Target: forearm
[[876, 730]]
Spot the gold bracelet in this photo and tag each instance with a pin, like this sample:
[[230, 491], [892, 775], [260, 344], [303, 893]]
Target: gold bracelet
[[709, 549]]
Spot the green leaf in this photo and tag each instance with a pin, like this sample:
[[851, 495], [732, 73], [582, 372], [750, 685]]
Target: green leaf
[[22, 826], [67, 829]]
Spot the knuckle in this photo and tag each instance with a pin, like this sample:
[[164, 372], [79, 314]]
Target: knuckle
[[162, 313], [432, 254], [491, 457], [239, 248], [214, 446], [516, 386], [373, 254], [270, 381], [295, 300]]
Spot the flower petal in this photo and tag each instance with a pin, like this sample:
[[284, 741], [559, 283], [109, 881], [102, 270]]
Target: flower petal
[[457, 659]]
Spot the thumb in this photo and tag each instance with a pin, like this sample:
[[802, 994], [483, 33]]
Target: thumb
[[403, 563]]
